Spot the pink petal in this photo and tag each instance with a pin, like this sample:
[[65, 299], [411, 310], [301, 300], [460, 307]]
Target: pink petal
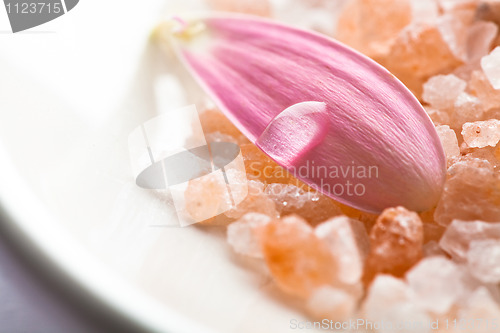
[[258, 72]]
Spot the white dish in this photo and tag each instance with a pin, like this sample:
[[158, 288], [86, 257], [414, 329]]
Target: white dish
[[68, 100]]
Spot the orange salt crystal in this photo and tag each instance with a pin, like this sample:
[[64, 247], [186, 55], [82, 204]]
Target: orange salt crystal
[[432, 230], [419, 53], [256, 201], [367, 218], [348, 27], [372, 25], [260, 167], [496, 152], [204, 196], [423, 52], [449, 141], [396, 242], [213, 121], [437, 116], [482, 88], [472, 192], [319, 209], [481, 134], [254, 7], [381, 21], [298, 260]]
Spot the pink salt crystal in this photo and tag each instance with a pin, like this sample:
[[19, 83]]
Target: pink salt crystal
[[331, 303], [483, 259], [449, 141], [480, 134], [438, 283], [482, 309], [482, 88], [421, 51], [437, 116], [432, 248], [348, 241], [396, 242], [490, 154], [298, 260], [488, 10], [245, 234], [254, 7], [459, 234], [491, 67], [472, 192], [256, 201], [453, 28], [385, 293], [466, 108], [441, 91], [311, 205], [451, 5], [480, 36], [319, 208]]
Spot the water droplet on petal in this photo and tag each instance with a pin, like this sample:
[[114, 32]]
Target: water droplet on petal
[[293, 132]]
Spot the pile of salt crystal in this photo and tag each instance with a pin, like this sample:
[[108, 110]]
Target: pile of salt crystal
[[449, 54]]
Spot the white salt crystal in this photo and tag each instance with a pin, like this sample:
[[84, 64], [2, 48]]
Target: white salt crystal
[[392, 301], [453, 32], [406, 317], [480, 134], [244, 236], [483, 259], [331, 303], [458, 236], [483, 310], [491, 67], [438, 117], [219, 137], [348, 241], [441, 91], [287, 195], [438, 283], [424, 10], [385, 292], [449, 141]]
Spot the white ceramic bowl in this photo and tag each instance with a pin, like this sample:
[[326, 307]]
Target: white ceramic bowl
[[70, 93]]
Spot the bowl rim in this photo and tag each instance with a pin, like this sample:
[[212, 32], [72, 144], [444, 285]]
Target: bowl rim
[[92, 283]]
